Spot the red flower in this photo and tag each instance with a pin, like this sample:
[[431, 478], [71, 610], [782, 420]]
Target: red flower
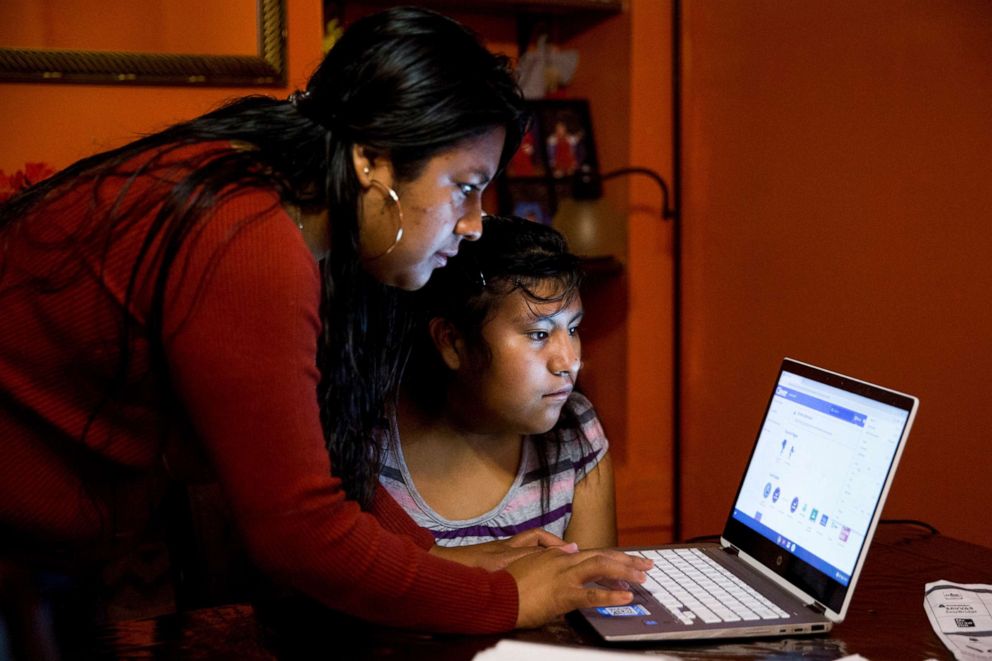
[[11, 185]]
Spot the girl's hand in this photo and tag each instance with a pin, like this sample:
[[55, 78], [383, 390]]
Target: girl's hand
[[497, 555], [551, 583]]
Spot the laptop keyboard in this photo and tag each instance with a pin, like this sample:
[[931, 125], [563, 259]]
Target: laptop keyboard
[[693, 586]]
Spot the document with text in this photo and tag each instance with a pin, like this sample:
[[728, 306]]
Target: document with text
[[961, 615]]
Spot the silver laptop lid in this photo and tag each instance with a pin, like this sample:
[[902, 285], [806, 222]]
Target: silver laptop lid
[[819, 473]]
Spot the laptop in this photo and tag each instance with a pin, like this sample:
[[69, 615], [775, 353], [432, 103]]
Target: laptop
[[799, 528]]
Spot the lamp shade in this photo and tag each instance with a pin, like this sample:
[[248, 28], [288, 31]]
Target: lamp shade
[[592, 227]]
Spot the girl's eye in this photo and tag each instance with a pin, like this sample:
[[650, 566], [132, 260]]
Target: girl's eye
[[573, 331], [468, 189], [538, 336]]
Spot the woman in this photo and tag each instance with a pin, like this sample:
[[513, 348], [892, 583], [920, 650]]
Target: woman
[[490, 436], [164, 311]]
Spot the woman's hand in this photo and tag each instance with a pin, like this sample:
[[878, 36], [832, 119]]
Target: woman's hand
[[494, 556], [551, 583]]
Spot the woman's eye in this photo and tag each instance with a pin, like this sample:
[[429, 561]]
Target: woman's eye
[[468, 189], [538, 335], [573, 331]]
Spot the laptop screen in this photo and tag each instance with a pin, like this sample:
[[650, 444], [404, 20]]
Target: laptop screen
[[819, 468]]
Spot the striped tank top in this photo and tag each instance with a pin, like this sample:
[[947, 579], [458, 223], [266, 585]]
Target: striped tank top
[[521, 509]]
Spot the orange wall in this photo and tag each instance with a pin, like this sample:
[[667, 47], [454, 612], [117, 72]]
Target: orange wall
[[836, 206], [647, 474], [60, 123], [207, 27]]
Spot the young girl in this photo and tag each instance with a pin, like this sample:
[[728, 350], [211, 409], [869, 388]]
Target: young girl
[[490, 437]]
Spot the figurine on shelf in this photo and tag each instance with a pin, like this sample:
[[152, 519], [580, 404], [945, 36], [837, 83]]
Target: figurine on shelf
[[564, 147], [544, 68]]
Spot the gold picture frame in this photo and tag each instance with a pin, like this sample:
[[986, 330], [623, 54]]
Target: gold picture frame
[[266, 69]]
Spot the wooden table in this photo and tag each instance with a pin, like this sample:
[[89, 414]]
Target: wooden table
[[886, 621]]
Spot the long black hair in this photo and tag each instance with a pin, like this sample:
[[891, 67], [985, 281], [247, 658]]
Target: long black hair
[[513, 255], [405, 83]]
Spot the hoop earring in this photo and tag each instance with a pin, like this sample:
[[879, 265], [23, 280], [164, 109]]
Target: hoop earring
[[391, 194]]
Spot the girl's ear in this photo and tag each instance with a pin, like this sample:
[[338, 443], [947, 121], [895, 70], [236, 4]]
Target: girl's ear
[[448, 342]]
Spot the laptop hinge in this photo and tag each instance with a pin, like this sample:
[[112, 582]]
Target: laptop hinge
[[731, 549], [817, 607]]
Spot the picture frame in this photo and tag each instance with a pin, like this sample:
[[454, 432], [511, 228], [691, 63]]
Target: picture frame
[[530, 198], [558, 144], [565, 129], [257, 60]]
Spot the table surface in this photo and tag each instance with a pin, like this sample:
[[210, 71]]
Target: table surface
[[886, 620]]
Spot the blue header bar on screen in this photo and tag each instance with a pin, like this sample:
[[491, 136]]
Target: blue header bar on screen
[[821, 405]]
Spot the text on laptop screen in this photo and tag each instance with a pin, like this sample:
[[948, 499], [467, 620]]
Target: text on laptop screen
[[818, 469]]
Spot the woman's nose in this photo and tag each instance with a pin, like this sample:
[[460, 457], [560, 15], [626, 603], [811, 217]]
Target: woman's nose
[[469, 226]]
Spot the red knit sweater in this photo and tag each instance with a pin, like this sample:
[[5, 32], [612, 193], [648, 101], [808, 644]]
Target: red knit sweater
[[240, 326]]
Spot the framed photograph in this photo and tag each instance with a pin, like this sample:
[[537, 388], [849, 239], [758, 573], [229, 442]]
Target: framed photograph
[[232, 42], [530, 198], [558, 144], [566, 135]]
